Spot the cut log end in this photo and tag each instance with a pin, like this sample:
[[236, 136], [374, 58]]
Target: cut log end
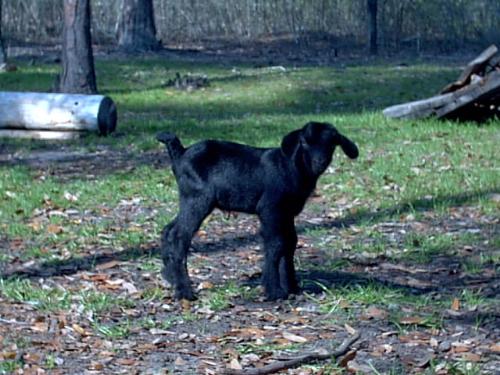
[[107, 116], [57, 112]]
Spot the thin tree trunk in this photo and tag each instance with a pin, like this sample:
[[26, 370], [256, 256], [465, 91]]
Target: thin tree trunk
[[137, 30], [78, 73], [372, 25], [3, 55]]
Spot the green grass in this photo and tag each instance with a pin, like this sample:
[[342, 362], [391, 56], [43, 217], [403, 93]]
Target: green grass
[[9, 366], [220, 298], [398, 164], [115, 331], [405, 168], [43, 298], [99, 302]]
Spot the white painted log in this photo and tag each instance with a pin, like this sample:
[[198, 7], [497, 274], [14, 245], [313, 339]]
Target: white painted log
[[57, 112], [40, 134]]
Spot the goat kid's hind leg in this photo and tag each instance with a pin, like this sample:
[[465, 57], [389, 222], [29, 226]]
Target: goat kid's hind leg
[[274, 233], [176, 242], [168, 269]]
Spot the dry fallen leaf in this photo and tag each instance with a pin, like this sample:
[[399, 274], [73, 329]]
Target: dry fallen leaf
[[70, 197], [433, 342], [373, 312], [455, 305], [131, 289], [235, 364], [471, 357], [248, 332], [411, 320], [126, 361], [349, 329], [80, 330], [459, 347], [205, 285], [96, 366], [54, 229], [35, 225], [179, 361], [107, 265], [8, 355], [185, 304], [495, 348], [250, 358], [40, 327], [357, 368], [294, 338], [346, 358], [32, 358]]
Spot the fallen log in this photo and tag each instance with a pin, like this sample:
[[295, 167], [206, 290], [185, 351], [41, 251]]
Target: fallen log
[[474, 96], [56, 112], [476, 66], [40, 134], [447, 105], [418, 108]]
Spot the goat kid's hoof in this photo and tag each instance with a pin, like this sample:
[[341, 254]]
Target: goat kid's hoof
[[276, 295], [185, 295], [293, 289]]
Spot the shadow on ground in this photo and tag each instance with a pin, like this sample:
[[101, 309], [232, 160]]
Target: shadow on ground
[[313, 280]]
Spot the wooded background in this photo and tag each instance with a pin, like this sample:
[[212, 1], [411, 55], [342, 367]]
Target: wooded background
[[438, 25]]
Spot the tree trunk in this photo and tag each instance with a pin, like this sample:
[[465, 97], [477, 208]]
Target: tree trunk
[[78, 74], [137, 30], [3, 56], [372, 25]]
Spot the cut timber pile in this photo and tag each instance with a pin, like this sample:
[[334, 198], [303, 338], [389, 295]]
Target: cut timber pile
[[55, 116], [475, 95]]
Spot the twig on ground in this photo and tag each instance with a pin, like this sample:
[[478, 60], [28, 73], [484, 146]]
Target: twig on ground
[[11, 321], [280, 365]]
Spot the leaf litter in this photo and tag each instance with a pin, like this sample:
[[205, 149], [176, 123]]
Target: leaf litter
[[106, 312]]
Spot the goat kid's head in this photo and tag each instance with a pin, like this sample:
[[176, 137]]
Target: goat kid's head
[[313, 145]]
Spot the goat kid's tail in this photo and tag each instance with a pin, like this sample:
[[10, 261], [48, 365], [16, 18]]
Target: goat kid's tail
[[174, 146]]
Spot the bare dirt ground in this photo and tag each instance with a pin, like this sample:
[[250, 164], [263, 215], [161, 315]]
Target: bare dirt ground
[[165, 336]]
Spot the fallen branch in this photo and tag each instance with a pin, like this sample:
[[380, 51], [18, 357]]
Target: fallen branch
[[306, 358], [11, 321], [474, 96]]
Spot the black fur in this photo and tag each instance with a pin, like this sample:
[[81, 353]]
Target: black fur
[[273, 183]]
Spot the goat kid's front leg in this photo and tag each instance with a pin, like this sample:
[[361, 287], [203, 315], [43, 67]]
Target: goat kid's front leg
[[278, 276], [288, 277]]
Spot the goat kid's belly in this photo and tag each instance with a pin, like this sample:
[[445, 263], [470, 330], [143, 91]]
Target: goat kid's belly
[[237, 200]]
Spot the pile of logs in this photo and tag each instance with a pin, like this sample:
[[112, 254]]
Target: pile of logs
[[474, 96], [55, 116]]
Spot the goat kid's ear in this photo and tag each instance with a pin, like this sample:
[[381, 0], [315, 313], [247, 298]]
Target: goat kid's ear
[[291, 142], [348, 146]]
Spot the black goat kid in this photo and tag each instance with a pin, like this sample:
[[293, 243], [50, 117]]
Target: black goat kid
[[273, 183]]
